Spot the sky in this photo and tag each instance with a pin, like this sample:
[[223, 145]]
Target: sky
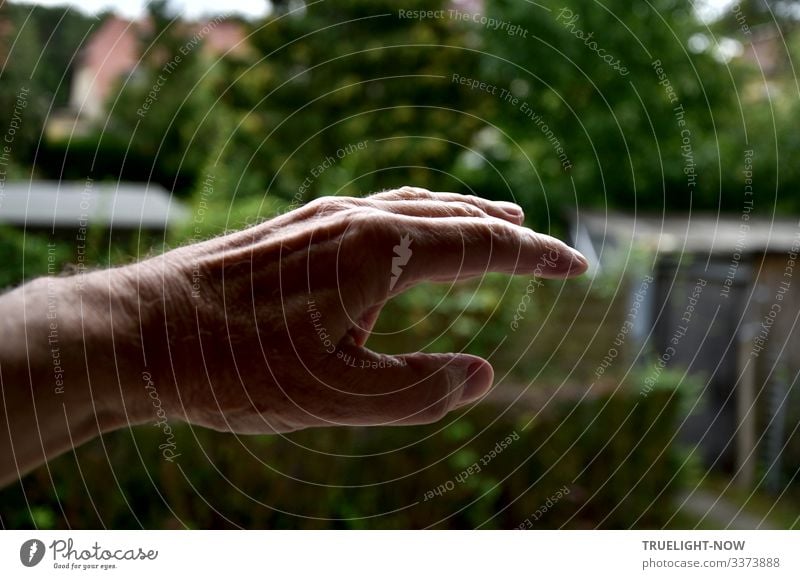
[[197, 8]]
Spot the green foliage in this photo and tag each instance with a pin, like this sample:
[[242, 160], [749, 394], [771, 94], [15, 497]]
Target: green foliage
[[60, 32], [164, 112], [283, 120], [333, 75], [436, 317], [618, 128], [26, 256], [37, 47], [38, 252], [612, 452]]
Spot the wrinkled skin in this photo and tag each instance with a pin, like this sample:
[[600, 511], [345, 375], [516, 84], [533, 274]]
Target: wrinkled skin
[[275, 340]]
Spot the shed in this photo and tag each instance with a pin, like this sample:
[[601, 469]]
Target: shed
[[91, 222], [69, 205], [724, 305]]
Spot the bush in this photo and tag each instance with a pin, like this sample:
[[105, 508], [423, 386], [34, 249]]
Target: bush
[[108, 158], [612, 454]]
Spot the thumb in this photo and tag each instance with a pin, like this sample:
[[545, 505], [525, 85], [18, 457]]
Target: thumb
[[368, 388]]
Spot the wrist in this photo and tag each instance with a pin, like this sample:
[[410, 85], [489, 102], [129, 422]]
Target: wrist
[[155, 345], [102, 345]]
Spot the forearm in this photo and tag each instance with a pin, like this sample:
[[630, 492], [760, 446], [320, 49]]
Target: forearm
[[67, 357]]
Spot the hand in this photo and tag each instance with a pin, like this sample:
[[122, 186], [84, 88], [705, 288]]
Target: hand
[[258, 331], [264, 330]]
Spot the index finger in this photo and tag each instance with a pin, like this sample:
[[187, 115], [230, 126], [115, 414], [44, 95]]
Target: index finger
[[455, 248]]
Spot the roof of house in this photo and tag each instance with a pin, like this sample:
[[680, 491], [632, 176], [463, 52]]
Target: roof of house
[[110, 52], [64, 205], [598, 234], [115, 49]]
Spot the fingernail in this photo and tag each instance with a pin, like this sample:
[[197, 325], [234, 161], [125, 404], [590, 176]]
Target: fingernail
[[477, 382]]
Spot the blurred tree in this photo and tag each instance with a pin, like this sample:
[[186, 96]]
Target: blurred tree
[[37, 46], [163, 112], [332, 75], [19, 51], [595, 122], [770, 37], [613, 82], [771, 120], [782, 13], [61, 33]]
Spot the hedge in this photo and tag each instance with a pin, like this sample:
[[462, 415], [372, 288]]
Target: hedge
[[606, 462]]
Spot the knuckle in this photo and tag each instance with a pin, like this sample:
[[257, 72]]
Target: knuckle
[[504, 234], [475, 200], [443, 390], [366, 239], [469, 209], [411, 190], [329, 205], [548, 247], [483, 234], [433, 392]]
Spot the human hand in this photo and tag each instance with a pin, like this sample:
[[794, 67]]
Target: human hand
[[263, 330]]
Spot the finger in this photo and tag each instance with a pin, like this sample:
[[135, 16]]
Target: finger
[[434, 209], [450, 249], [500, 209], [458, 248], [422, 205], [368, 389]]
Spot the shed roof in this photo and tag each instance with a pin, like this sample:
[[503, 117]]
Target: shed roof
[[65, 205], [598, 233]]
